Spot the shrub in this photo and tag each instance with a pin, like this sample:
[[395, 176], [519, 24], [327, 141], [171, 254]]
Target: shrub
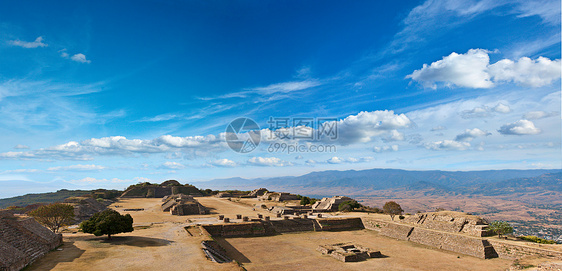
[[500, 227], [401, 217], [535, 239]]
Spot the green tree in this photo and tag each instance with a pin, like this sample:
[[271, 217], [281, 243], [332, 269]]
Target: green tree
[[54, 216], [107, 222], [305, 201], [348, 206], [392, 208], [500, 227]]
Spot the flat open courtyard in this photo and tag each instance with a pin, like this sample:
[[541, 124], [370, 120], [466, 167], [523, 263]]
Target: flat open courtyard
[[160, 242]]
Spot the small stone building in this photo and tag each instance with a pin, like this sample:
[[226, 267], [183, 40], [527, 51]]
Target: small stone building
[[278, 196], [329, 204], [183, 205]]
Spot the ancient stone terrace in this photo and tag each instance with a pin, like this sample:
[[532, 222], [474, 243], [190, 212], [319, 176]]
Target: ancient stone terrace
[[448, 221], [23, 240], [329, 204], [183, 205], [348, 252]]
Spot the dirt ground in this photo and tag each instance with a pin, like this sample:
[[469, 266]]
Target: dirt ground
[[160, 242]]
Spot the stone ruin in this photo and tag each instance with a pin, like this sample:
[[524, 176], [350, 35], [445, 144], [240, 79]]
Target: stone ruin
[[223, 195], [149, 190], [290, 210], [452, 231], [84, 207], [183, 205], [278, 196], [215, 252], [348, 252], [23, 240], [449, 221], [329, 204], [257, 192]]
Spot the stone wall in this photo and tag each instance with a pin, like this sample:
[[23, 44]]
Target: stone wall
[[397, 231], [448, 221], [463, 244], [338, 224], [373, 224], [261, 228], [22, 241], [235, 229], [513, 251]]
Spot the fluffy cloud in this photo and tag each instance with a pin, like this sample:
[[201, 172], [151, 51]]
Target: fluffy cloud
[[448, 145], [470, 134], [223, 163], [268, 162], [77, 168], [27, 44], [385, 148], [19, 146], [340, 160], [364, 126], [393, 136], [80, 58], [520, 127], [473, 70], [119, 145], [502, 108], [485, 111], [525, 71], [172, 165], [463, 70]]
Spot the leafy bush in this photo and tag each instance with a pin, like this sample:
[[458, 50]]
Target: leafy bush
[[535, 239], [500, 227], [348, 206]]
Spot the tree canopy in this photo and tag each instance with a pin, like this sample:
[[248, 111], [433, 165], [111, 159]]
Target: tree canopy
[[500, 227], [107, 222], [348, 206], [392, 208], [54, 216]]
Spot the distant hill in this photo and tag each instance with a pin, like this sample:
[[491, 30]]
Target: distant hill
[[363, 181], [51, 197]]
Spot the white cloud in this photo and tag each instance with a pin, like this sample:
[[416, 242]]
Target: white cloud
[[502, 108], [224, 163], [448, 145], [477, 112], [463, 70], [23, 170], [340, 160], [119, 145], [473, 70], [268, 162], [547, 10], [77, 168], [539, 115], [394, 136], [172, 165], [485, 111], [385, 148], [80, 58], [287, 86], [364, 126], [525, 71], [20, 146], [470, 134], [27, 44], [520, 127]]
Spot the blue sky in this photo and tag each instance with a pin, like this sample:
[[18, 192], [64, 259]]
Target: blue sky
[[106, 94]]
